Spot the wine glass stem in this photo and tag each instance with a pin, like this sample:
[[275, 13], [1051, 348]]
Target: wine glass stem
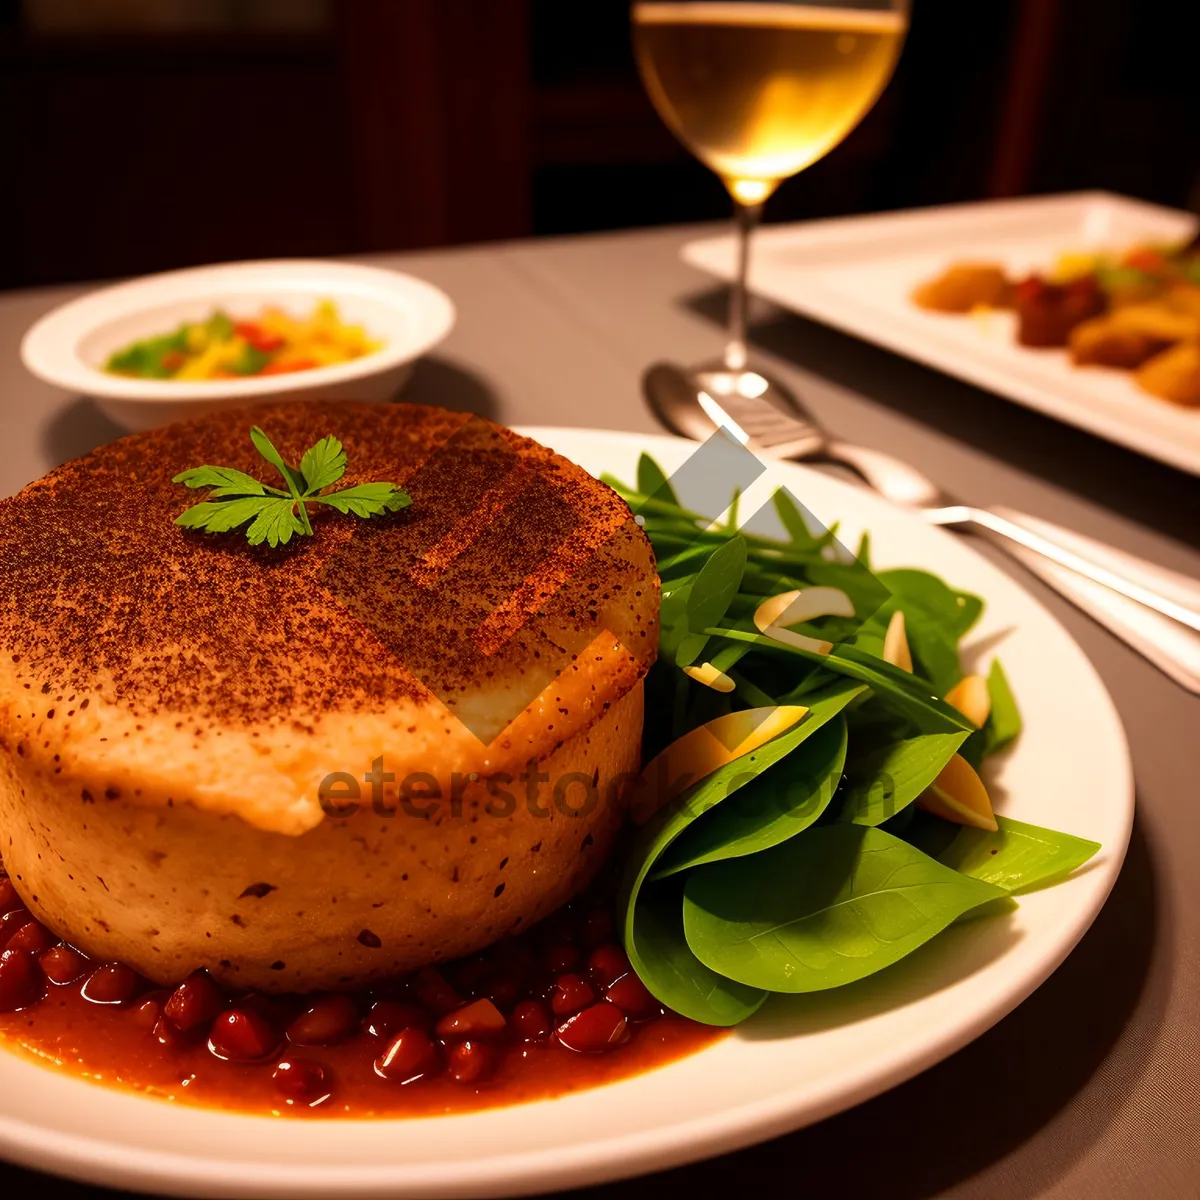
[[745, 218]]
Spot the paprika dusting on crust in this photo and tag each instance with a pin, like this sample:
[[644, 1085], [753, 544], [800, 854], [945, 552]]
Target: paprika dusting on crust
[[174, 704], [96, 583]]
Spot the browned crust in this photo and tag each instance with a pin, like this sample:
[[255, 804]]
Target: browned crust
[[508, 553]]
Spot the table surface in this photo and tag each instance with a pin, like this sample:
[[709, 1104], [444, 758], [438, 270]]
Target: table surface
[[1091, 1088]]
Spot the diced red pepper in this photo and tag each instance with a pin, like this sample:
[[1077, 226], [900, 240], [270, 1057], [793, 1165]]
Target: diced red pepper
[[260, 338], [288, 365], [1140, 258]]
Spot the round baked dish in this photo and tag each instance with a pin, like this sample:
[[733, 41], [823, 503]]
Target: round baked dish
[[381, 746]]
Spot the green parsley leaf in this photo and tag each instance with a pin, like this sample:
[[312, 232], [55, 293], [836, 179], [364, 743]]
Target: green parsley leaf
[[218, 516], [323, 464], [230, 480], [367, 500], [275, 515], [275, 524]]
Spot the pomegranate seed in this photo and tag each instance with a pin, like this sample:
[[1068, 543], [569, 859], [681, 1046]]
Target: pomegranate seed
[[410, 1055], [8, 895], [327, 1020], [242, 1035], [390, 1016], [18, 979], [12, 921], [300, 1079], [148, 1011], [62, 964], [113, 983], [530, 1021], [34, 936], [631, 996], [166, 1035], [571, 993], [606, 964], [479, 1019], [596, 1029], [502, 988], [597, 927], [431, 989], [560, 957], [469, 1062], [195, 1002]]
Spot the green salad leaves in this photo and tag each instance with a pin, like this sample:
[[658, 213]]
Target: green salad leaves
[[805, 864]]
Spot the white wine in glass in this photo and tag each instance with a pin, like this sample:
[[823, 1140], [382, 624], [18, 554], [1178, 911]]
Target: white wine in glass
[[759, 91]]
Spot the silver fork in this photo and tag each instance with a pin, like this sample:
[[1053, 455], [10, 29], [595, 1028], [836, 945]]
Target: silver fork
[[1154, 610]]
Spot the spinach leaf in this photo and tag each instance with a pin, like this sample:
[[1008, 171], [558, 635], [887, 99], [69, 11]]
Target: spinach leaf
[[929, 834], [663, 962], [936, 617], [716, 584], [793, 521], [1017, 856], [652, 480], [652, 930], [776, 804], [824, 909], [903, 692], [935, 651], [690, 604], [1004, 720], [927, 595], [890, 777], [659, 953]]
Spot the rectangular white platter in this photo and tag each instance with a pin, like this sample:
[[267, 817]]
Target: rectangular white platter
[[857, 274]]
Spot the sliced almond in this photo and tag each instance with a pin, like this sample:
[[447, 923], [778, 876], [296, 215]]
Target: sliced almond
[[793, 608], [895, 644], [703, 750], [771, 609], [708, 675], [958, 795], [971, 697]]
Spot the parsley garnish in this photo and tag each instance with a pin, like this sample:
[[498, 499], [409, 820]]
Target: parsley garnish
[[275, 514]]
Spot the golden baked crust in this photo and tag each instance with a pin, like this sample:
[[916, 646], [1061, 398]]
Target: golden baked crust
[[172, 703], [130, 645]]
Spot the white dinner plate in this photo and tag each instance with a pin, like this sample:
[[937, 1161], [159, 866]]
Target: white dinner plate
[[796, 1061], [858, 273]]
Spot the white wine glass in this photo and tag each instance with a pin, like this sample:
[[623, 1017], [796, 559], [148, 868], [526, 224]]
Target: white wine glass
[[758, 91]]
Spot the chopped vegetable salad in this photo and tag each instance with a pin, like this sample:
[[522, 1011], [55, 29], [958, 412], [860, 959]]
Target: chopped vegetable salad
[[272, 343]]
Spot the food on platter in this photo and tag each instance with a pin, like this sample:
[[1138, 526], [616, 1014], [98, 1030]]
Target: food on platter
[[965, 286], [272, 342], [814, 802], [1047, 312], [1174, 374], [1140, 309]]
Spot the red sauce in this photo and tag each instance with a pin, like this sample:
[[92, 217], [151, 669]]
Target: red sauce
[[554, 1011]]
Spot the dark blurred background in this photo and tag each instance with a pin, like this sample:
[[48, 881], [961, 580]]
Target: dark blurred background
[[146, 134]]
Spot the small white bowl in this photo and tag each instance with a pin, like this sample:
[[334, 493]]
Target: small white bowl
[[69, 346]]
